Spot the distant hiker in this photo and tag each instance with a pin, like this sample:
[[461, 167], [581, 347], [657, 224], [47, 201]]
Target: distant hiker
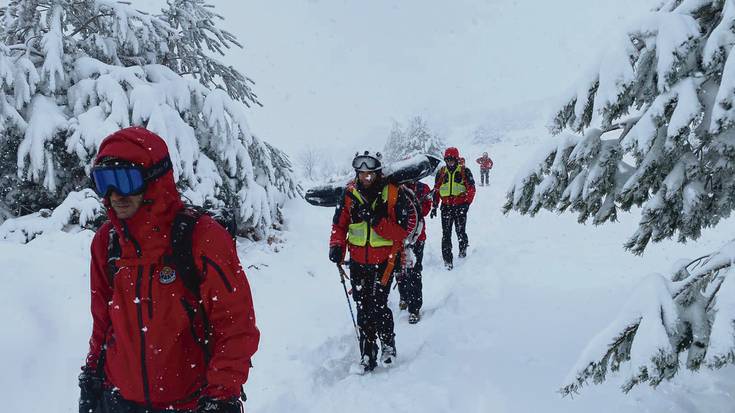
[[410, 286], [454, 187], [173, 329], [486, 164], [372, 221]]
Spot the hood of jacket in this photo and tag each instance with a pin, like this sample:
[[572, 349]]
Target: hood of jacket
[[147, 233]]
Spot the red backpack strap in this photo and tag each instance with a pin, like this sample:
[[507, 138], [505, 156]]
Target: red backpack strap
[[392, 200], [397, 246]]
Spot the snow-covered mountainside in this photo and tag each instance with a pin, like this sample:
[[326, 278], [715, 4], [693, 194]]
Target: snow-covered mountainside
[[500, 332]]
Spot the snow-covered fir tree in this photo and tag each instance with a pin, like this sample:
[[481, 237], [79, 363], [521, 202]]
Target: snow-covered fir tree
[[652, 126], [404, 142], [74, 71]]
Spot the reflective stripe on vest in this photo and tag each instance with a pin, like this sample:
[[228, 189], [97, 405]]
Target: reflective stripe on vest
[[360, 233], [449, 187]]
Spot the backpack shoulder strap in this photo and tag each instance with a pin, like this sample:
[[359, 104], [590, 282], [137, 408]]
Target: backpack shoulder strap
[[391, 200], [392, 196], [114, 251], [464, 174], [182, 234]]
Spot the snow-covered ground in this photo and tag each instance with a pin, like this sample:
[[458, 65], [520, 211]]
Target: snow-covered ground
[[499, 333]]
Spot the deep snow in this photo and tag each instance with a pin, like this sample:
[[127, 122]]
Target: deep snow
[[500, 332]]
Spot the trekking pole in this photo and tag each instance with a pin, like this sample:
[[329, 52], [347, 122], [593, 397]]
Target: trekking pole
[[342, 276]]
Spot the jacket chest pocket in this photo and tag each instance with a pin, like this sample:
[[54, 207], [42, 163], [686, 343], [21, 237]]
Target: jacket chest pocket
[[160, 289]]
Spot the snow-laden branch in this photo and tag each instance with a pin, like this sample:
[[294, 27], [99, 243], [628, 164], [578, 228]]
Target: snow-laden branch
[[675, 158], [689, 312], [79, 209], [102, 66]]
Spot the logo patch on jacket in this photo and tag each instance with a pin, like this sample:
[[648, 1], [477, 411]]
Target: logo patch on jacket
[[167, 275]]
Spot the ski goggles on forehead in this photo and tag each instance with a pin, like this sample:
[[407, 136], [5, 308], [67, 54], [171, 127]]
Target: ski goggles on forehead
[[365, 163], [126, 180]]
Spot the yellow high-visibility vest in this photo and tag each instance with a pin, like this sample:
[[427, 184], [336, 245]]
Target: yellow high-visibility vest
[[360, 233], [449, 187]]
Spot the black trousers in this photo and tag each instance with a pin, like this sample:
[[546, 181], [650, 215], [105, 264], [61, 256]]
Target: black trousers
[[410, 285], [374, 318], [484, 176], [453, 215], [112, 402]]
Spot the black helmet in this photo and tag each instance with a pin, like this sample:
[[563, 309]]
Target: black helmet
[[367, 162]]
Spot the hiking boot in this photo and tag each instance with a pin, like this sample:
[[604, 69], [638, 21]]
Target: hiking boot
[[414, 318], [462, 253], [402, 305], [368, 364], [369, 355], [448, 266], [388, 356]]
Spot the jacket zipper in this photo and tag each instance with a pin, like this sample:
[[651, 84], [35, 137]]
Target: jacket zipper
[[142, 330], [206, 263], [141, 326], [150, 291], [451, 182]]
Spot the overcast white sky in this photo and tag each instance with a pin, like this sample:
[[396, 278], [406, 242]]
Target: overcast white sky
[[338, 71]]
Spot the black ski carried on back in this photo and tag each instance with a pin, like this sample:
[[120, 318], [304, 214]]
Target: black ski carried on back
[[401, 172]]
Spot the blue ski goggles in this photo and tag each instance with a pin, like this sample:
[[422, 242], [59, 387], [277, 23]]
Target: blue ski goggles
[[126, 179]]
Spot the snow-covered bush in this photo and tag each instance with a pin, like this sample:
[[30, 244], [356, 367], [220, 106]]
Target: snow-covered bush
[[652, 126], [416, 138], [73, 71], [82, 208]]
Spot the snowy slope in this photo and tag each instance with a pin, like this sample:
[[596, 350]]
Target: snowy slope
[[499, 333]]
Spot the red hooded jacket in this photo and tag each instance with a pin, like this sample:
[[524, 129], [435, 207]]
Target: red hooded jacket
[[142, 322], [465, 177], [485, 163]]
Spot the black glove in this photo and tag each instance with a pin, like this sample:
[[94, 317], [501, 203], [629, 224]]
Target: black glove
[[362, 213], [432, 214], [90, 386], [335, 254], [209, 405]]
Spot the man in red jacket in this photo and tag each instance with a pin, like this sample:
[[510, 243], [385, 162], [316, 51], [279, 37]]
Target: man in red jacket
[[158, 344], [410, 286], [373, 220], [486, 164], [454, 187]]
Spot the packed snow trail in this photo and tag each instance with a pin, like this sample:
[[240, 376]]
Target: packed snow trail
[[499, 333]]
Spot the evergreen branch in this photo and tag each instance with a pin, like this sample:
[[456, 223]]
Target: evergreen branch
[[613, 356], [88, 22], [26, 48], [697, 278]]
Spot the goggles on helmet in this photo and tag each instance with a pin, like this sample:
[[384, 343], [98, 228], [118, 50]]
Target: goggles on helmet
[[366, 163], [126, 179]]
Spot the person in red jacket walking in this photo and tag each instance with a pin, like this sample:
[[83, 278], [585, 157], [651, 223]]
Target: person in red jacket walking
[[486, 164], [373, 220], [410, 286], [157, 344], [454, 188]]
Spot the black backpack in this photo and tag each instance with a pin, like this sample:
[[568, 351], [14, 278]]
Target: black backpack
[[182, 232]]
